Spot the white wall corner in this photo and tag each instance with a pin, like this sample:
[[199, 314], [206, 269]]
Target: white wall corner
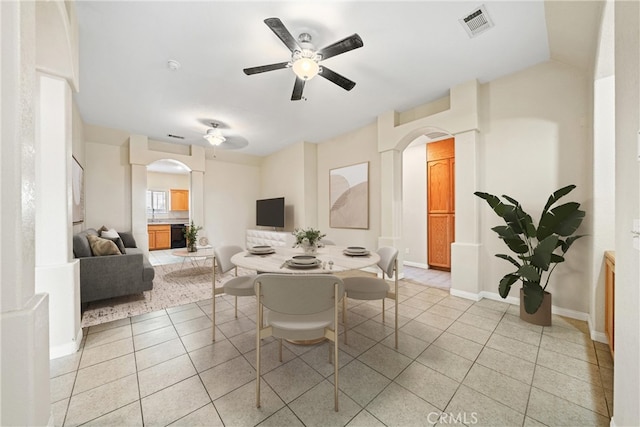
[[466, 295], [465, 265]]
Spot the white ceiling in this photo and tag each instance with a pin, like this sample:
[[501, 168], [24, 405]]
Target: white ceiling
[[413, 53]]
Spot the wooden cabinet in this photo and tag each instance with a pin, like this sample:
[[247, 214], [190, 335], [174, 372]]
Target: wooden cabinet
[[440, 203], [609, 297], [159, 236], [179, 200]]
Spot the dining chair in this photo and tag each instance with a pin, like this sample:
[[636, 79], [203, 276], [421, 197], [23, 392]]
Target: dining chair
[[300, 307], [238, 286], [374, 288]]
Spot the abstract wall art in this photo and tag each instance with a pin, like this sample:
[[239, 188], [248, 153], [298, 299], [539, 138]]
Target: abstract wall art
[[349, 196]]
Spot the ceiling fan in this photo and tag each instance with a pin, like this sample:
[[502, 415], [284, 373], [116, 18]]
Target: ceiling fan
[[305, 58]]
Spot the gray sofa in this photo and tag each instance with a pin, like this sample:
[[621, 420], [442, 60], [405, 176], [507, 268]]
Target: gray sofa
[[111, 276]]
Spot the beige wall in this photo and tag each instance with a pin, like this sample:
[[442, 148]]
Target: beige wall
[[167, 181], [535, 139], [360, 145], [414, 204], [230, 194]]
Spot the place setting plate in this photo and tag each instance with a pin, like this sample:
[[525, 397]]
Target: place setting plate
[[262, 250], [356, 251], [303, 261]]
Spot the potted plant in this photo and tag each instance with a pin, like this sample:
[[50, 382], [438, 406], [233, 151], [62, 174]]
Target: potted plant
[[539, 249], [191, 235], [308, 238]]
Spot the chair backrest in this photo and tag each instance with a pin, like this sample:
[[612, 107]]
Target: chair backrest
[[298, 293], [223, 256], [388, 256]]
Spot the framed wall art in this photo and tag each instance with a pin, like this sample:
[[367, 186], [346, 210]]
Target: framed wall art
[[77, 188], [349, 196]]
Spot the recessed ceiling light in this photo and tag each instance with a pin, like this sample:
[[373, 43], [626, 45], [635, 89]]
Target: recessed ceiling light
[[173, 65]]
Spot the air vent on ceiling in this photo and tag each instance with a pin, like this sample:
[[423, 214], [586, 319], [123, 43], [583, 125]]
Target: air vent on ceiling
[[477, 22], [175, 136], [435, 135]]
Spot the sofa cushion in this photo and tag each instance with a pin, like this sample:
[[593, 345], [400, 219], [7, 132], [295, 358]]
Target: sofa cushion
[[81, 247], [118, 241], [109, 233], [128, 239], [100, 246]]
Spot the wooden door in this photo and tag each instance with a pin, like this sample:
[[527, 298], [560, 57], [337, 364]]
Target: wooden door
[[440, 203]]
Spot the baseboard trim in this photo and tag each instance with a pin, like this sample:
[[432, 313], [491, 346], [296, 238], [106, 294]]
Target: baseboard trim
[[416, 264], [578, 315], [67, 348]]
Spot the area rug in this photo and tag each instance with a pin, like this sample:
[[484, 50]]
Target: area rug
[[172, 286]]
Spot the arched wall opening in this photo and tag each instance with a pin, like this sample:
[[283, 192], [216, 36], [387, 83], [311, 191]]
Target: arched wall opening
[[461, 121]]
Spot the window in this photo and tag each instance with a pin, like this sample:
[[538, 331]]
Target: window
[[156, 202]]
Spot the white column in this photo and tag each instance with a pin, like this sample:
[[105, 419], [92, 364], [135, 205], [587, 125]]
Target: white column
[[465, 251], [24, 317], [196, 197], [139, 206], [57, 272], [391, 203]]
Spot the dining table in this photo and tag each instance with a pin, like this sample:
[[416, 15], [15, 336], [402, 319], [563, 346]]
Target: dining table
[[332, 259]]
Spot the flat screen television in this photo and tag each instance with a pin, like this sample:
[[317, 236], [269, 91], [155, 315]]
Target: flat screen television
[[270, 212]]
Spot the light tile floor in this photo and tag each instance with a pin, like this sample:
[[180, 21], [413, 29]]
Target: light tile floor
[[459, 362]]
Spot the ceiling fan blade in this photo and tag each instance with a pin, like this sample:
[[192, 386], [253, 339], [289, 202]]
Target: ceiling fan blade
[[283, 34], [346, 44], [336, 78], [264, 68], [298, 87]]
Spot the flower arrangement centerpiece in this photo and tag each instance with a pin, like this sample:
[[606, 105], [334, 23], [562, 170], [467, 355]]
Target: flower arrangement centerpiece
[[191, 235], [308, 239]]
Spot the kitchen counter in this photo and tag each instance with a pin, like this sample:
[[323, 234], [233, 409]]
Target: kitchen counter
[[167, 221]]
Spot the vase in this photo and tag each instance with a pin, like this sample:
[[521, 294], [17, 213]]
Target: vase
[[310, 248], [191, 247], [542, 317]]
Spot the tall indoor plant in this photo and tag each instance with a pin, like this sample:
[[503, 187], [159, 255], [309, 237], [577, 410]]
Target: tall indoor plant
[[538, 249]]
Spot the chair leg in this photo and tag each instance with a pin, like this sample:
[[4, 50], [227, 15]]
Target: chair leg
[[335, 347], [258, 327], [396, 303], [280, 351], [383, 310], [344, 317], [213, 302], [236, 307]]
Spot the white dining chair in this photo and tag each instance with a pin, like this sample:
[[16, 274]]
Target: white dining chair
[[300, 307], [374, 288], [238, 286]]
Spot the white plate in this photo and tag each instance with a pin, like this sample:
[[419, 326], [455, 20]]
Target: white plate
[[292, 264], [304, 259], [261, 249], [349, 253], [356, 249]]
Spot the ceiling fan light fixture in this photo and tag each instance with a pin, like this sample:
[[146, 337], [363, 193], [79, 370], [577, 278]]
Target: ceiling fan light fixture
[[214, 136], [305, 64]]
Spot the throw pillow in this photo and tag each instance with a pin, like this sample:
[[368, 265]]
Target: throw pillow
[[118, 242], [100, 246], [110, 233]]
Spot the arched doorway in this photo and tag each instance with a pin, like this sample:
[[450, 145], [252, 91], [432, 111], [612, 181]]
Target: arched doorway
[[461, 121]]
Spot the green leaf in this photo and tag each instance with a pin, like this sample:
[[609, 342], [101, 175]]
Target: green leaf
[[567, 243], [510, 259], [561, 219], [556, 258], [529, 272], [533, 294], [493, 201], [505, 284], [542, 253], [557, 195], [512, 240]]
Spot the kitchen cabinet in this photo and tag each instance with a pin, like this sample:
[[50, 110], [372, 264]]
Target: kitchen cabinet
[[440, 203], [179, 200], [159, 236]]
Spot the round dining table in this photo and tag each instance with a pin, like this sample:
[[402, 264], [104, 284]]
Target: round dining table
[[333, 260]]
